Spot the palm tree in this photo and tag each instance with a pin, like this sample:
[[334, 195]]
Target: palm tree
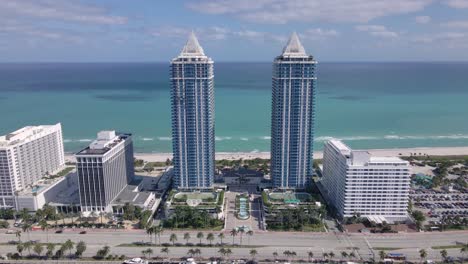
[[253, 253], [422, 254], [38, 248], [191, 252], [221, 237], [250, 233], [165, 250], [287, 253], [325, 255], [149, 251], [27, 245], [310, 255], [275, 255], [233, 234], [241, 231], [150, 232], [210, 237], [352, 255], [45, 227], [228, 252], [18, 235], [158, 230], [173, 238], [80, 248], [331, 254], [20, 248], [50, 249], [68, 245], [444, 254], [200, 236], [187, 237], [382, 254], [464, 250], [344, 254], [27, 228]]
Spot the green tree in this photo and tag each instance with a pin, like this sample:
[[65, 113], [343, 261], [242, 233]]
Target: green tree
[[422, 254], [253, 253], [275, 255], [382, 254], [331, 254], [344, 254], [18, 235], [45, 227], [250, 234], [352, 255], [419, 217], [38, 248], [50, 250], [221, 237], [187, 237], [68, 245], [27, 228], [20, 248], [200, 236], [310, 255], [464, 250], [173, 238], [444, 255], [80, 248], [233, 233], [28, 245], [165, 250], [150, 232], [210, 237], [241, 232]]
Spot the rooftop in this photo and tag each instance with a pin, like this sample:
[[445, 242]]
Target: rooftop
[[294, 47], [104, 142], [192, 48], [26, 133]]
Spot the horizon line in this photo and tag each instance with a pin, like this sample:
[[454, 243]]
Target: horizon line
[[234, 61]]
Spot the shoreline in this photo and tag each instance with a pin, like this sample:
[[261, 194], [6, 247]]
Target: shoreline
[[431, 151]]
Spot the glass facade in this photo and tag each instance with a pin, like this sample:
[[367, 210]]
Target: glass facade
[[192, 101], [293, 104]]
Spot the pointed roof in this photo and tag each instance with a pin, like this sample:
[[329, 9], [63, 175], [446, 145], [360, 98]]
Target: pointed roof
[[192, 47], [294, 47]]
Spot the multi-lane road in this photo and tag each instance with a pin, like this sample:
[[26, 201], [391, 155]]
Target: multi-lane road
[[265, 243]]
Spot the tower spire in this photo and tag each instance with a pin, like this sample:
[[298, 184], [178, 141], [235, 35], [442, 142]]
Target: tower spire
[[192, 47], [294, 47]]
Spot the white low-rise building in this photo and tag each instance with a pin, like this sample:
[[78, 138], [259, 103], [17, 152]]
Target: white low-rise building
[[355, 182], [26, 155]]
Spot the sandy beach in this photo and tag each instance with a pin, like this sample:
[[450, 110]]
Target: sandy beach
[[432, 151]]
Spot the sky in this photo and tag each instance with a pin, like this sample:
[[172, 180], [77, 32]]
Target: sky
[[237, 30]]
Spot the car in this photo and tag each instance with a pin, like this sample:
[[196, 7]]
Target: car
[[59, 231], [82, 232], [136, 261], [10, 231]]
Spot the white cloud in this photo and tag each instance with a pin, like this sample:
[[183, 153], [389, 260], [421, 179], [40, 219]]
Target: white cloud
[[280, 12], [456, 24], [319, 32], [377, 31], [440, 37], [457, 3], [20, 29], [67, 11], [422, 19]]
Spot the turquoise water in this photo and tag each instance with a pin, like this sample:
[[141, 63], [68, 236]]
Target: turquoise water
[[369, 105]]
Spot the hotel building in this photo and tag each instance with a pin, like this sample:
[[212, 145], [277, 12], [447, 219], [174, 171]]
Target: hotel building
[[192, 99], [292, 116], [26, 155], [104, 170], [358, 183]]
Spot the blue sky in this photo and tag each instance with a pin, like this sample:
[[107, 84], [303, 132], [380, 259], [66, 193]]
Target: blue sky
[[237, 30]]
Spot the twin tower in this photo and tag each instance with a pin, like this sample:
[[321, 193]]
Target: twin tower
[[193, 117]]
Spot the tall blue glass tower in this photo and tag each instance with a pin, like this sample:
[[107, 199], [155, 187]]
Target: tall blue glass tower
[[192, 96], [292, 116]]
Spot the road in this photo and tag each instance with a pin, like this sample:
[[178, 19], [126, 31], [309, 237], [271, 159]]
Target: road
[[265, 242]]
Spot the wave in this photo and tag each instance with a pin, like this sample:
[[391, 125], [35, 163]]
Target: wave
[[255, 151], [394, 137], [84, 140], [244, 139], [67, 140], [147, 139], [222, 138], [266, 137], [165, 138]]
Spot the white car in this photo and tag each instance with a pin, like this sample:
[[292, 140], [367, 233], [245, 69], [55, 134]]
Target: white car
[[136, 261]]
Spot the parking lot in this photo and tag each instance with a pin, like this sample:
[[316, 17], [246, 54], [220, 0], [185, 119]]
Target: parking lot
[[439, 204]]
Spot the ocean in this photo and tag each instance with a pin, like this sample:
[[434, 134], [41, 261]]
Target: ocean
[[368, 105]]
